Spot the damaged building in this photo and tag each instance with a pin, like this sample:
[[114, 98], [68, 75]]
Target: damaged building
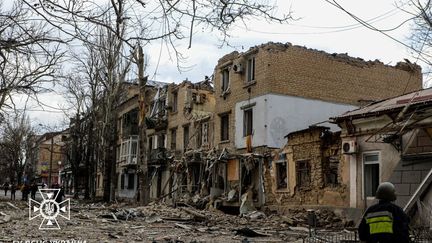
[[309, 170], [390, 140], [275, 89]]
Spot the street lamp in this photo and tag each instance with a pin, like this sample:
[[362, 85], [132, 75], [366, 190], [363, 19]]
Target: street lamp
[[59, 172]]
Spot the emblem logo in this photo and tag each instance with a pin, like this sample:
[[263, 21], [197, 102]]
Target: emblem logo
[[49, 209]]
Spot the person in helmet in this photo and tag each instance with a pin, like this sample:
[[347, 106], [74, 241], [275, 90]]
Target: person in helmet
[[385, 221]]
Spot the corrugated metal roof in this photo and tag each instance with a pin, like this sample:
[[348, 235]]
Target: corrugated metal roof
[[416, 97]]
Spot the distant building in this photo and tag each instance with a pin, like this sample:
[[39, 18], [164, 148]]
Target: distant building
[[46, 156], [275, 89]]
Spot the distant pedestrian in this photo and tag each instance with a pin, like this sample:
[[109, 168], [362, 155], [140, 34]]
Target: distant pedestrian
[[25, 190], [6, 188], [13, 189], [384, 222], [60, 195], [34, 189]]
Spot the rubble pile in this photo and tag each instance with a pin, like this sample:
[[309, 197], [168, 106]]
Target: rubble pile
[[159, 222], [324, 219]]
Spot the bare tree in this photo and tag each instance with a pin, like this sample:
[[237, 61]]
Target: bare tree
[[29, 53], [17, 146]]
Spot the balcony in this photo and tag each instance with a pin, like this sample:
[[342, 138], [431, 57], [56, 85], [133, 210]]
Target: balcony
[[158, 156], [128, 151]]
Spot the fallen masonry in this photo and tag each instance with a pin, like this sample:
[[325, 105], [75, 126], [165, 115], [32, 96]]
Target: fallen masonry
[[121, 222]]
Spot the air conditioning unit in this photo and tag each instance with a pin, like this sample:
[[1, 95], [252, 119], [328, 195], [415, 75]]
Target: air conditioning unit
[[237, 68], [349, 147]]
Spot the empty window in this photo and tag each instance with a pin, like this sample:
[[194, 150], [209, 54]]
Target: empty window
[[150, 143], [122, 181], [281, 175], [185, 137], [161, 140], [251, 69], [131, 181], [174, 102], [330, 169], [173, 139], [224, 127], [204, 132], [247, 122], [202, 136], [371, 173], [303, 173], [225, 79]]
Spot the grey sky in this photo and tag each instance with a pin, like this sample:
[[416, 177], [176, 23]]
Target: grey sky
[[319, 26]]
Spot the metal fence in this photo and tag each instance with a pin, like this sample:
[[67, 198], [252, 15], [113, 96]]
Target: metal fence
[[418, 235], [324, 236]]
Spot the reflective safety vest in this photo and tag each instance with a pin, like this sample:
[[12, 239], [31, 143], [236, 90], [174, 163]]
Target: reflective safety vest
[[380, 222]]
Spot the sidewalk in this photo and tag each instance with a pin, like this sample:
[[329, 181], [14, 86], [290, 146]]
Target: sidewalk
[[18, 195]]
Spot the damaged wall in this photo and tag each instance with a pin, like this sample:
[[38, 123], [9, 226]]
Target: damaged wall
[[294, 71], [314, 170]]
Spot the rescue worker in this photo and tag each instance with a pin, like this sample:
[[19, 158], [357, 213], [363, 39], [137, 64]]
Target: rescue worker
[[384, 222]]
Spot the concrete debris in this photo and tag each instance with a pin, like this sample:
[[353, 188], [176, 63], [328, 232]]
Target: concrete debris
[[255, 215], [247, 205], [183, 226], [5, 218], [249, 232], [13, 206], [159, 222]]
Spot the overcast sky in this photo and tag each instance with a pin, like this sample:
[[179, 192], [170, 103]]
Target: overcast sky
[[320, 26]]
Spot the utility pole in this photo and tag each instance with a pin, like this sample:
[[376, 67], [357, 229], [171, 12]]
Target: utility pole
[[143, 190], [51, 160]]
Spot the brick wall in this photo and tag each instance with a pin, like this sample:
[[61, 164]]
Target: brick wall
[[199, 112], [309, 145], [297, 71], [413, 167]]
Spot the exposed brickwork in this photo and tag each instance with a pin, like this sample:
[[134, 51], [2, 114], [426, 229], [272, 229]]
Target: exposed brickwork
[[298, 71], [197, 113], [318, 147]]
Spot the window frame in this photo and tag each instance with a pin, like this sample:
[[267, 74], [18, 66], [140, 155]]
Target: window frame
[[277, 163], [175, 101], [308, 169], [173, 142], [186, 139], [130, 178], [250, 69], [247, 128], [225, 79], [363, 170], [222, 118]]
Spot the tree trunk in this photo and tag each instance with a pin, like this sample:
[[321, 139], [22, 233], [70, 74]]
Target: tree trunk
[[144, 192]]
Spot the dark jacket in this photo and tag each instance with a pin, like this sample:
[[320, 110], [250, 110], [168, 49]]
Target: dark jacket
[[384, 222]]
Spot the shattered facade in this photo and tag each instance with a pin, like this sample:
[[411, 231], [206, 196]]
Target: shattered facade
[[308, 170], [274, 89]]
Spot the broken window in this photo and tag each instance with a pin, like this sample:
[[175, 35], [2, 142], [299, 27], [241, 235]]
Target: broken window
[[175, 101], [150, 143], [303, 173], [161, 140], [224, 127], [204, 133], [122, 181], [225, 79], [185, 137], [331, 168], [173, 139], [202, 136], [281, 174], [247, 122], [371, 173], [131, 181], [251, 69]]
